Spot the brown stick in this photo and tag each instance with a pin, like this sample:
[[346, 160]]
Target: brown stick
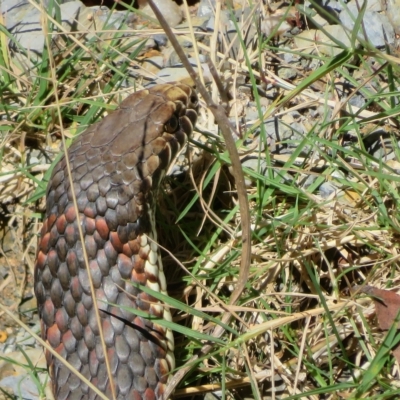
[[225, 126]]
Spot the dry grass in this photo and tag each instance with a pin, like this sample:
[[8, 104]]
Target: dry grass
[[295, 331]]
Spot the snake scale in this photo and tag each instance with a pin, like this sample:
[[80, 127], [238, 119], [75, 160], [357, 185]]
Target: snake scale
[[117, 165]]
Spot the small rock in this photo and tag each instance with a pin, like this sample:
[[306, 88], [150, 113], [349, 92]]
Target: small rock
[[69, 12], [160, 39], [287, 56], [276, 23], [379, 29], [199, 24], [322, 111], [380, 145], [184, 42], [171, 57], [172, 74], [254, 163], [224, 22], [309, 181], [24, 21], [310, 40], [22, 385], [393, 14], [276, 133], [246, 90], [375, 5], [252, 113], [216, 395], [319, 21], [236, 108], [298, 127], [206, 7], [111, 18], [357, 101], [277, 130], [338, 174], [287, 73], [287, 118], [305, 41], [332, 4], [315, 63], [169, 9], [326, 189], [295, 115], [26, 29]]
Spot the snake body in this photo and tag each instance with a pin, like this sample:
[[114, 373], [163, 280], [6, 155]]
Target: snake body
[[116, 166]]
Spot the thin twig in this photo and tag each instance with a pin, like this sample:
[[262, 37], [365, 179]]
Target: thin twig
[[224, 124]]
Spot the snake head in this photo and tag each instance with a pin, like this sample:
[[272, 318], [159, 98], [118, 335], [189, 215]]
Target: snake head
[[149, 129], [171, 122]]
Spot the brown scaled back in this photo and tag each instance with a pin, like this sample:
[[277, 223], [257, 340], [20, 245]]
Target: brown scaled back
[[116, 168]]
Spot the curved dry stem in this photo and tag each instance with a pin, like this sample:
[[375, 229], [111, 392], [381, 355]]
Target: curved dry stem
[[224, 124]]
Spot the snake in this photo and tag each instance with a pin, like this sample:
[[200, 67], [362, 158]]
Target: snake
[[114, 172]]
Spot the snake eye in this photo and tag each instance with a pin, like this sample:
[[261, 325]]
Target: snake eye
[[172, 124], [194, 101]]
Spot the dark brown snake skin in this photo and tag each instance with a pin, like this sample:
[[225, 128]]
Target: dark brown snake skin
[[117, 165]]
